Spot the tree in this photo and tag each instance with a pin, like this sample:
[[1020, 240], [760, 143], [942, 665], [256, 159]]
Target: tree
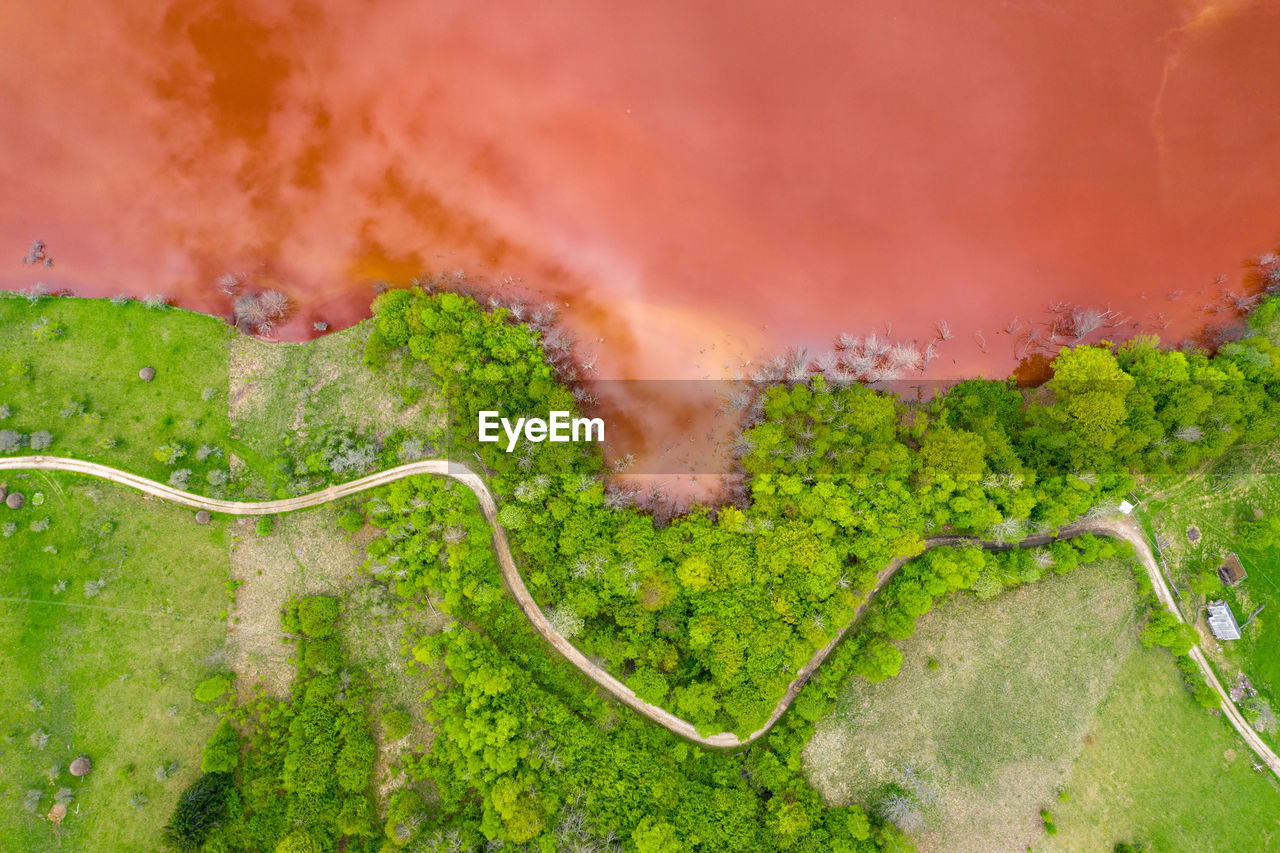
[[316, 615], [222, 752], [1164, 629], [298, 841], [1090, 390], [656, 836], [200, 809]]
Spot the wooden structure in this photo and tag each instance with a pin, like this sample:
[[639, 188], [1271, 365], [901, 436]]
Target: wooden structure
[[1231, 572]]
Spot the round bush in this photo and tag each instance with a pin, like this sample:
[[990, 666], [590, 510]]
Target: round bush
[[324, 656], [213, 688], [317, 615], [396, 723]]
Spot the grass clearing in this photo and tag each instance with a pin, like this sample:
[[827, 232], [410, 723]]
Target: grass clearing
[[71, 369], [1022, 684], [295, 408], [999, 720], [1158, 769], [106, 672]]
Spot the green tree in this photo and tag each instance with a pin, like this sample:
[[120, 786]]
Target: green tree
[[222, 752]]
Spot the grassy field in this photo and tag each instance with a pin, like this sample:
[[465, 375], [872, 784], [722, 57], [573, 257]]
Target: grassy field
[[1134, 780], [1245, 481], [296, 408], [108, 619], [994, 711], [71, 370]]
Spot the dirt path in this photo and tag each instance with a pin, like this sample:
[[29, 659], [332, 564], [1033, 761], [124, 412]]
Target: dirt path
[[1125, 529]]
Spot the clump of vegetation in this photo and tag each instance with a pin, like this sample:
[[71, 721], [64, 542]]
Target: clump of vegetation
[[212, 688], [299, 770], [265, 525], [201, 809], [396, 723], [315, 616]]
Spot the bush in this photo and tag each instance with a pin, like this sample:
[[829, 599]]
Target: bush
[[351, 521], [222, 752], [298, 841], [396, 723], [265, 525], [316, 616], [399, 828], [199, 811], [324, 656], [355, 760], [213, 688]]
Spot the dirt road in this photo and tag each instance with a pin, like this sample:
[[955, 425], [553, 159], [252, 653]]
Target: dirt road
[[1124, 529]]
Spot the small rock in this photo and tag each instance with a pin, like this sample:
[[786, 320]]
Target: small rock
[[15, 500], [81, 766], [146, 374], [203, 517]]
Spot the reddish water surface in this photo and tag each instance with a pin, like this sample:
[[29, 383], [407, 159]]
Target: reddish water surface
[[699, 181]]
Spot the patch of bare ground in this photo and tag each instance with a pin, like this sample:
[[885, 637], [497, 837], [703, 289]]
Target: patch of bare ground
[[305, 554], [995, 723]]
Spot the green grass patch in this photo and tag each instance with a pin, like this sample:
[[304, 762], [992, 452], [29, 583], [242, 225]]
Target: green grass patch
[[109, 618], [1158, 769], [995, 729], [71, 370]]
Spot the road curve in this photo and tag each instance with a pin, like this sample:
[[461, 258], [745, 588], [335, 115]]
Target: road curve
[[1124, 529]]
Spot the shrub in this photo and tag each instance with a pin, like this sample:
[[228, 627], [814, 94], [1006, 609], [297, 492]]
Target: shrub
[[41, 440], [168, 454], [316, 616], [180, 478], [11, 440], [222, 752], [265, 525], [400, 828], [298, 841], [351, 521], [354, 764], [213, 688], [199, 811], [396, 723], [324, 656]]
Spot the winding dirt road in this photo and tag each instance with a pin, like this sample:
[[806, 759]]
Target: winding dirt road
[[1124, 529]]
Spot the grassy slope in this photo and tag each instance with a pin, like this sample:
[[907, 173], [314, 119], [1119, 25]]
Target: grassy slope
[[1021, 682], [1135, 781], [93, 365], [112, 673], [1245, 479]]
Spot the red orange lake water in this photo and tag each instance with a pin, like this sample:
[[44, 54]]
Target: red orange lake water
[[700, 182]]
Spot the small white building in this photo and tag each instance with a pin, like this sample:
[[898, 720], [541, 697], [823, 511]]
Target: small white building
[[1222, 622], [1126, 507]]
